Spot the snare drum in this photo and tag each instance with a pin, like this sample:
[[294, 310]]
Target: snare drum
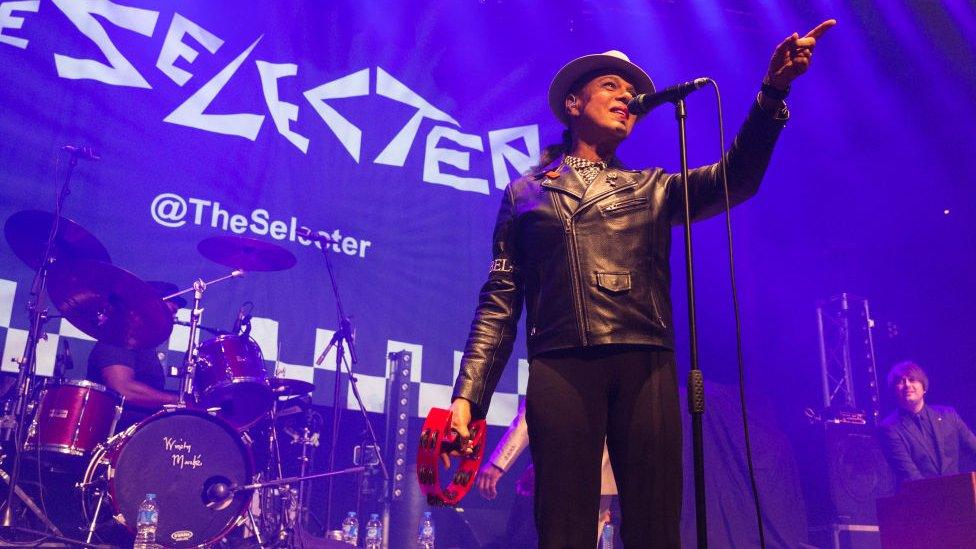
[[177, 455], [231, 375], [73, 417]]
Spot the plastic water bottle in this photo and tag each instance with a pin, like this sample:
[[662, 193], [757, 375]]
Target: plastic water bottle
[[350, 529], [606, 537], [146, 523], [374, 532], [426, 533]]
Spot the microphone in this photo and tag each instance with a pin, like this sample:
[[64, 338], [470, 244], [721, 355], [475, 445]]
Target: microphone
[[644, 103], [246, 325], [65, 356], [308, 234], [218, 492], [85, 153], [62, 360], [243, 319]]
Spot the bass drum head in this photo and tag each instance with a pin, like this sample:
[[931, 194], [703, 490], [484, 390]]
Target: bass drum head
[[178, 456]]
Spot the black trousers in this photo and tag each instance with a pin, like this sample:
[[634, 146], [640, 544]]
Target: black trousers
[[629, 395]]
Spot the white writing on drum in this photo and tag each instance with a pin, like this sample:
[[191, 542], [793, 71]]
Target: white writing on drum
[[181, 453]]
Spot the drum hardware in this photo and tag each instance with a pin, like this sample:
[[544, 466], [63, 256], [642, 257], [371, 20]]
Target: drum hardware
[[202, 328], [29, 502], [110, 304], [218, 491], [285, 387], [231, 375], [26, 231], [73, 417], [181, 455], [94, 520], [249, 254], [278, 507], [241, 254], [344, 335], [22, 231], [255, 528], [196, 311]]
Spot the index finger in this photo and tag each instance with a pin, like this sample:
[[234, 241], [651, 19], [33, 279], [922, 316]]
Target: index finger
[[821, 28]]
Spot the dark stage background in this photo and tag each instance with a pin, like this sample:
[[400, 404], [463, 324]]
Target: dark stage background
[[394, 127]]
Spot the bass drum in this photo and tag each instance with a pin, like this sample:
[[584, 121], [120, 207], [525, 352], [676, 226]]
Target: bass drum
[[179, 455]]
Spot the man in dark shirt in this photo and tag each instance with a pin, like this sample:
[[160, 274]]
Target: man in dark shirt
[[137, 375], [920, 440]]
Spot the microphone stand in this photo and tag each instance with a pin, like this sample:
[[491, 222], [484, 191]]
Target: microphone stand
[[28, 363], [342, 336], [696, 382]]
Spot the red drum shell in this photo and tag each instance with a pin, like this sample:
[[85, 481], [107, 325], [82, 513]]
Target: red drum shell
[[231, 375], [73, 417]]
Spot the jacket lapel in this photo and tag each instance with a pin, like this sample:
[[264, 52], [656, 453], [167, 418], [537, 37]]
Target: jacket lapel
[[563, 178]]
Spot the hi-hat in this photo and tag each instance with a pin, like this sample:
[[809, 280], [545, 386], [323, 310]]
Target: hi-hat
[[290, 387], [109, 304], [27, 232], [249, 254]]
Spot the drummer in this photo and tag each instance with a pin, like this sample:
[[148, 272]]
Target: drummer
[[137, 375]]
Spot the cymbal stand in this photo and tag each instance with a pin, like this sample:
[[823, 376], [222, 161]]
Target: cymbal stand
[[98, 509], [342, 336], [28, 363], [285, 529], [305, 441], [190, 358]]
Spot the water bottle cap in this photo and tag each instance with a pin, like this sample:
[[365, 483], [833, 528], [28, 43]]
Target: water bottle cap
[[150, 496], [352, 513], [427, 514]]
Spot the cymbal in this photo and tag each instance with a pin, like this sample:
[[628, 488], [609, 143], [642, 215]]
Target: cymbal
[[27, 231], [290, 387], [249, 254], [110, 304]]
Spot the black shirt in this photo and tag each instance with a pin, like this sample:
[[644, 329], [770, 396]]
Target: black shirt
[[145, 365], [922, 421]]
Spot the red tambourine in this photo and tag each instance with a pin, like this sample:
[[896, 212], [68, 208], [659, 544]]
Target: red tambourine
[[437, 438]]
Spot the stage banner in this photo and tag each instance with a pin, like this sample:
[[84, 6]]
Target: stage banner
[[390, 128]]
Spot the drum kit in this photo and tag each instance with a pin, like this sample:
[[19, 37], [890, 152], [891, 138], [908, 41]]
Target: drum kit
[[198, 455]]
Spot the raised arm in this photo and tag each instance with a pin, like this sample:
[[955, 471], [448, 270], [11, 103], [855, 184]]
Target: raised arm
[[748, 157]]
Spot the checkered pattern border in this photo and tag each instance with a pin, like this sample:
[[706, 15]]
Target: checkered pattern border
[[265, 332]]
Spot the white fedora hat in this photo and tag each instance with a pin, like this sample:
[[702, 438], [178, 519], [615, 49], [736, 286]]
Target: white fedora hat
[[579, 67]]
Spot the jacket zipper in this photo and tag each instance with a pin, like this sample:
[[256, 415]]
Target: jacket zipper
[[657, 311], [573, 270]]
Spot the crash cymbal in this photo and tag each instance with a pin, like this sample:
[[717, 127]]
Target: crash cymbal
[[249, 254], [290, 387], [27, 231], [110, 304]]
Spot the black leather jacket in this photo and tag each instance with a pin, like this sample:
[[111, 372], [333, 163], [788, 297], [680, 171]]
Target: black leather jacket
[[591, 264]]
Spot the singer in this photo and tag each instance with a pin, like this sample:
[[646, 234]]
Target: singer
[[583, 242]]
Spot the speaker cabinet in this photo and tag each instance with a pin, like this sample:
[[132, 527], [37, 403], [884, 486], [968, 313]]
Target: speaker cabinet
[[857, 472]]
